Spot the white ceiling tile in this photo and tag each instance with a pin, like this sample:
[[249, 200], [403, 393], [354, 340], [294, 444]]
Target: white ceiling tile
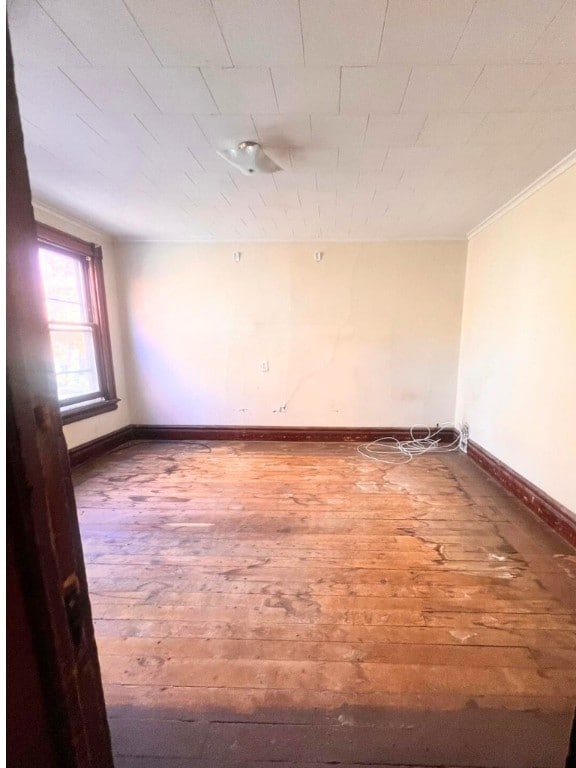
[[172, 158], [503, 87], [394, 130], [258, 33], [314, 159], [117, 128], [171, 182], [283, 130], [177, 90], [281, 199], [342, 32], [558, 91], [421, 180], [361, 158], [264, 213], [105, 31], [338, 130], [557, 127], [288, 181], [557, 43], [72, 153], [280, 155], [338, 181], [121, 162], [174, 130], [215, 183], [410, 158], [39, 159], [504, 31], [256, 183], [182, 32], [497, 156], [319, 197], [423, 31], [504, 128], [37, 40], [238, 91], [58, 128], [439, 88], [467, 157], [376, 90], [49, 89], [381, 201], [547, 154], [112, 89], [448, 128], [210, 162], [226, 131], [307, 89], [378, 181]]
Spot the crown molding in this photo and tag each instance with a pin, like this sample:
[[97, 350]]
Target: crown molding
[[50, 210], [564, 164], [447, 239]]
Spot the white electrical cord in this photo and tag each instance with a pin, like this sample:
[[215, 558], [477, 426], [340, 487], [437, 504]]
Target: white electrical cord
[[390, 450]]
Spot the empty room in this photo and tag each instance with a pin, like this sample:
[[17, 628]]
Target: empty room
[[291, 362]]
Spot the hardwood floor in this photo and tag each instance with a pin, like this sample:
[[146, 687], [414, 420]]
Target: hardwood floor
[[293, 604]]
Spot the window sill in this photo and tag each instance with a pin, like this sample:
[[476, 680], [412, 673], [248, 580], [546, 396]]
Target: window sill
[[87, 411]]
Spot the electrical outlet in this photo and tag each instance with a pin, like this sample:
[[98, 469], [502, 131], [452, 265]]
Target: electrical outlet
[[264, 366]]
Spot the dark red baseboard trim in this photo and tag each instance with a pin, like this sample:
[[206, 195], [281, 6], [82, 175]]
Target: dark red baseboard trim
[[300, 434], [100, 446], [550, 511], [555, 515]]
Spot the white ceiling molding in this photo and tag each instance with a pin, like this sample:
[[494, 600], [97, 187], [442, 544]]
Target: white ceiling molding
[[446, 239], [564, 164], [65, 218]]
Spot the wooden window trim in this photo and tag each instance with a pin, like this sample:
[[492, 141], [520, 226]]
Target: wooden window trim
[[91, 256]]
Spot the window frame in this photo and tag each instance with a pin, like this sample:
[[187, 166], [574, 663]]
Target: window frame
[[90, 257]]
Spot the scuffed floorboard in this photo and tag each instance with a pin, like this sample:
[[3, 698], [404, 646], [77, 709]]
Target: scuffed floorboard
[[299, 606]]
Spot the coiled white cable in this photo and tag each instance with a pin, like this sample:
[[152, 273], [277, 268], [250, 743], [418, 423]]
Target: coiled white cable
[[390, 450]]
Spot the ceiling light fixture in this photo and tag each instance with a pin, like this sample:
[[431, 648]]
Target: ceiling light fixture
[[249, 158]]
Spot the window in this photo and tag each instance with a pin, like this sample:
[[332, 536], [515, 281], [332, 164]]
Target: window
[[73, 281]]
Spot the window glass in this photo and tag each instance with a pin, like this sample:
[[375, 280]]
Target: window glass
[[71, 333], [72, 278], [64, 286], [74, 361]]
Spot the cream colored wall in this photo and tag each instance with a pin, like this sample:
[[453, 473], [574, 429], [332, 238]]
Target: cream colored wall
[[517, 378], [88, 429], [367, 337]]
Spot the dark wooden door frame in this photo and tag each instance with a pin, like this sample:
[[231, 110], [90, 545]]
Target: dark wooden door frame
[[45, 549]]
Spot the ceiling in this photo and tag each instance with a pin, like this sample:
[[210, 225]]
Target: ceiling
[[398, 119]]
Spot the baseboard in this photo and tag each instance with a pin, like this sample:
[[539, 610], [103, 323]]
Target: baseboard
[[100, 446], [298, 434], [555, 515], [550, 511]]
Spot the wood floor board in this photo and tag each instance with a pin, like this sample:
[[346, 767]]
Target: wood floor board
[[283, 650], [349, 633], [319, 604], [296, 605], [276, 705]]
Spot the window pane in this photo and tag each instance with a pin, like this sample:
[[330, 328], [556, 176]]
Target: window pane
[[75, 362], [64, 286]]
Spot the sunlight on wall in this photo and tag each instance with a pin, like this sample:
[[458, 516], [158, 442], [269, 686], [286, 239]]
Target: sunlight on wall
[[366, 337]]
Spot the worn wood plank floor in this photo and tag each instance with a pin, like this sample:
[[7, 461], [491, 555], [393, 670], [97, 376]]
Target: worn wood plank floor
[[292, 604]]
